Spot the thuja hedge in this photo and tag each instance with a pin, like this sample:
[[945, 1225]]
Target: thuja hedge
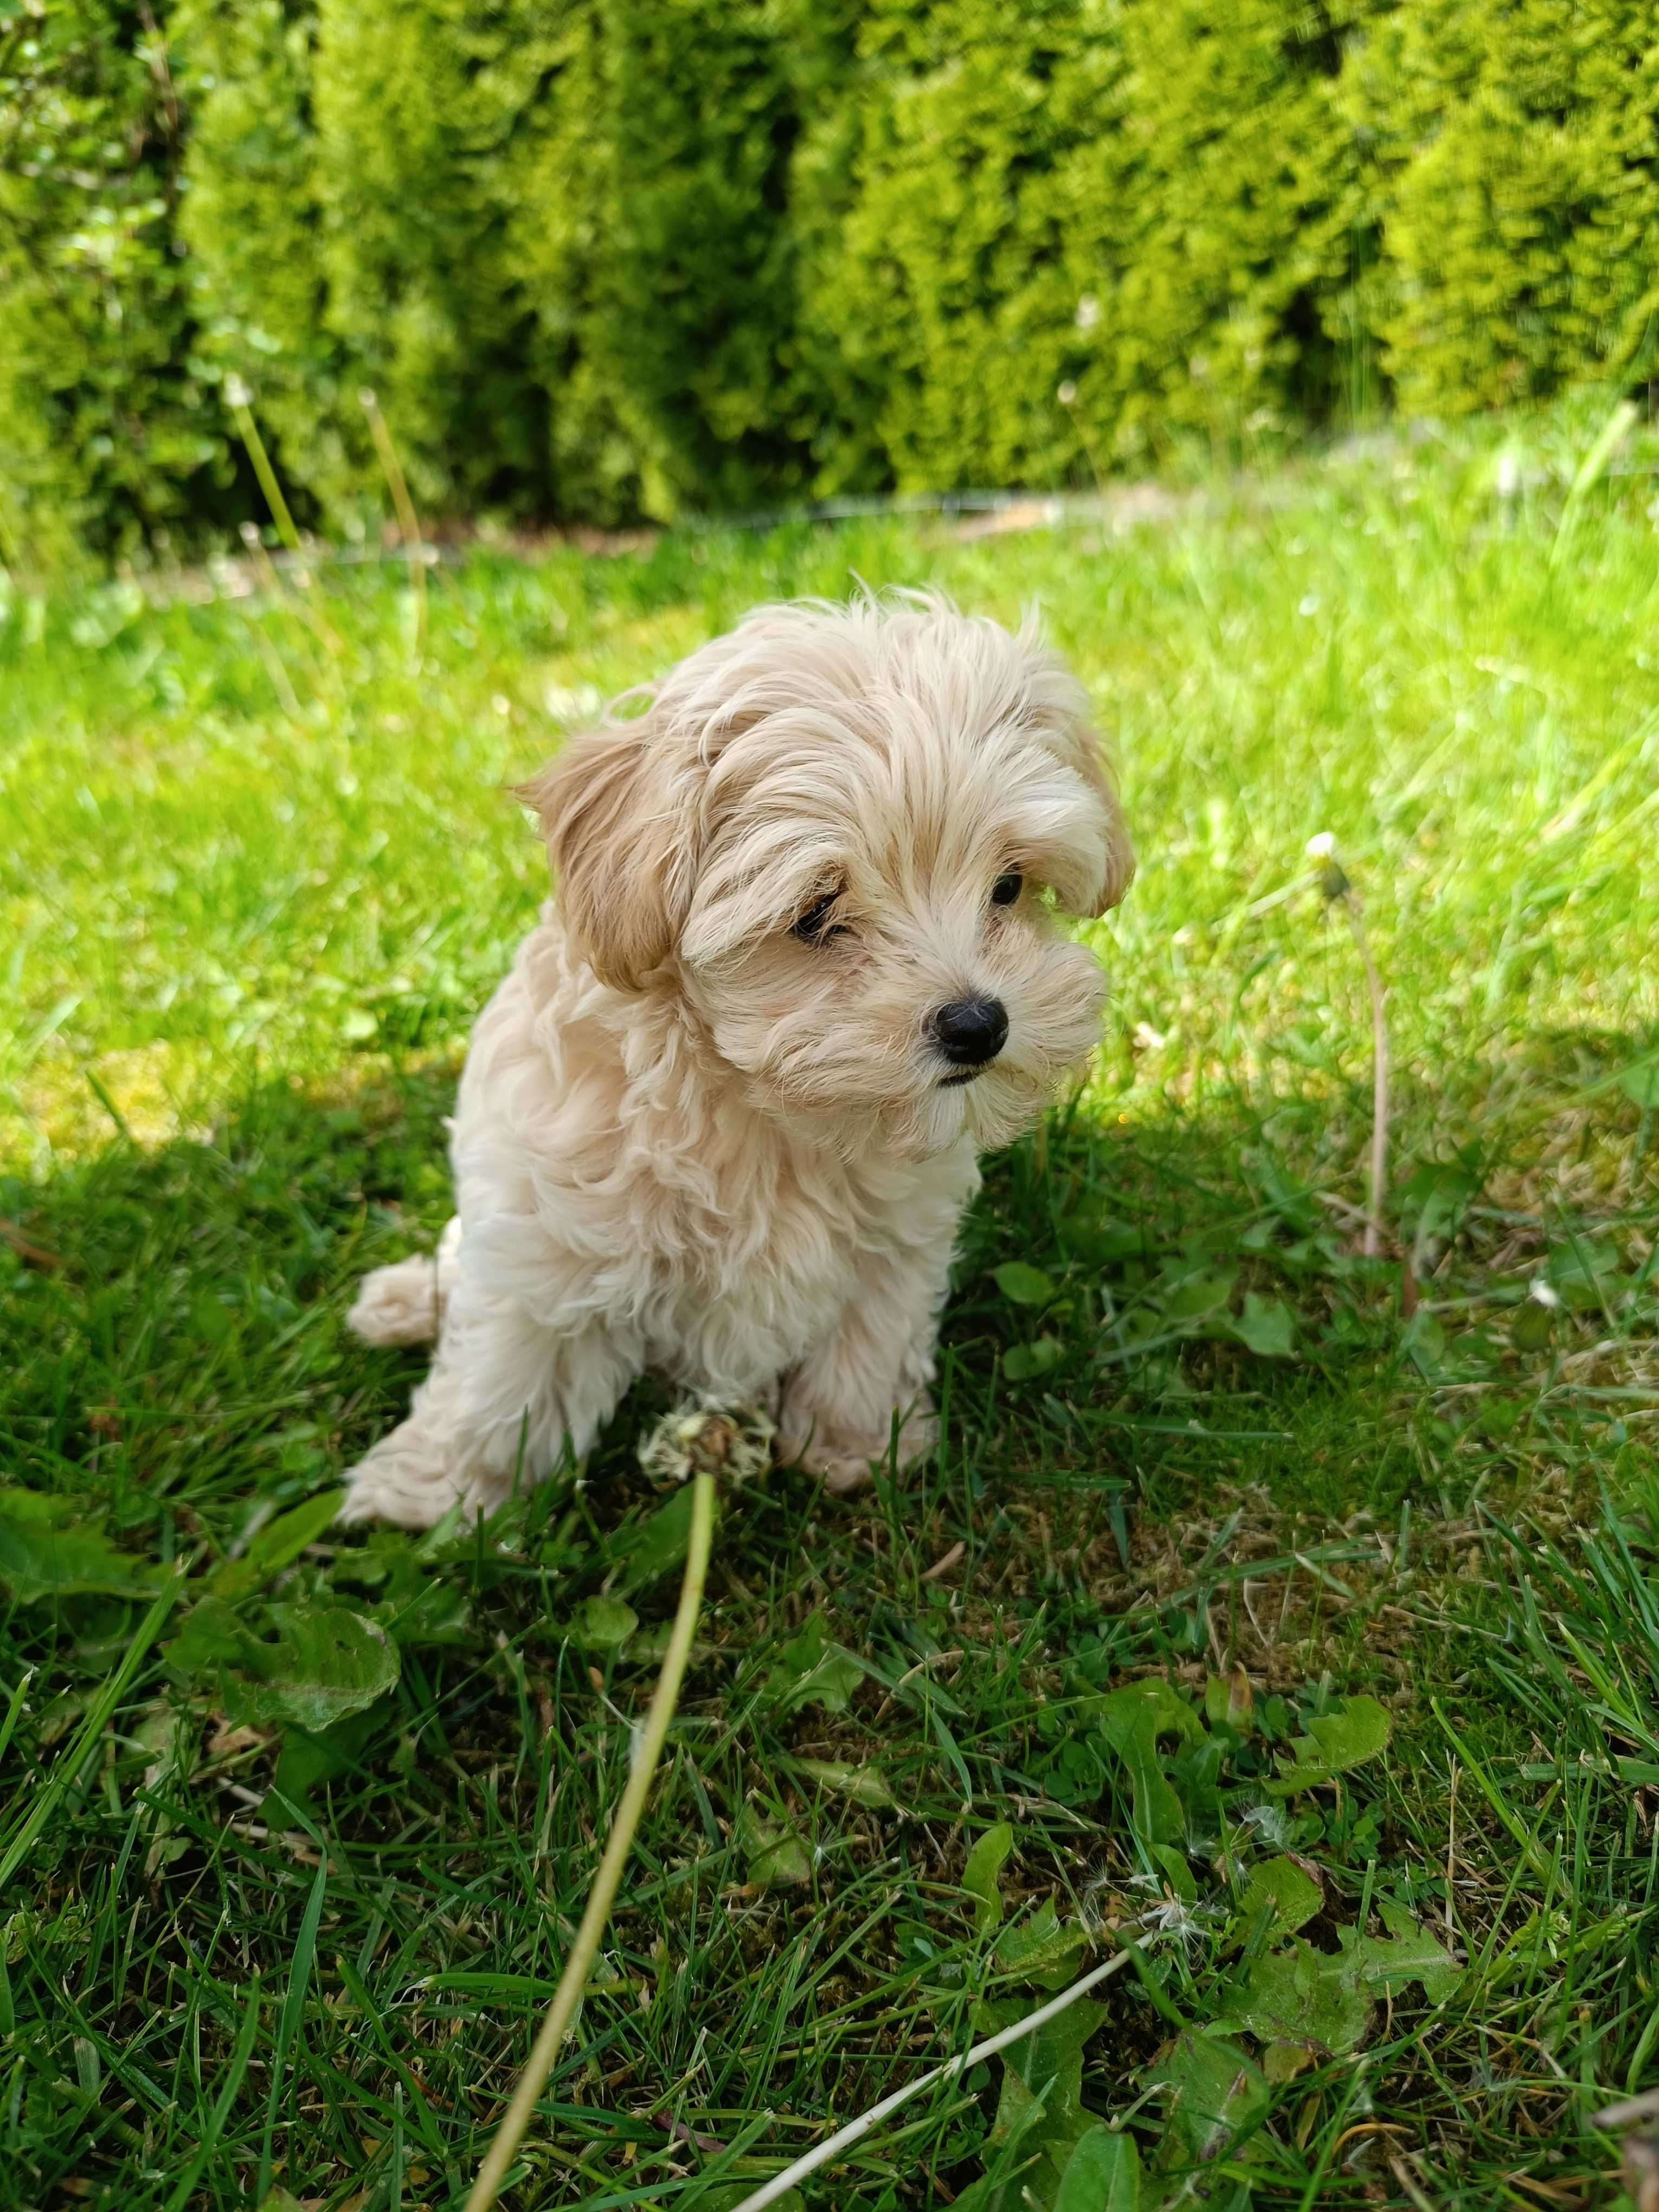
[[601, 258]]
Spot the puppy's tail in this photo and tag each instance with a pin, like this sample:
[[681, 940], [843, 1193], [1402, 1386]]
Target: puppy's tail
[[404, 1303]]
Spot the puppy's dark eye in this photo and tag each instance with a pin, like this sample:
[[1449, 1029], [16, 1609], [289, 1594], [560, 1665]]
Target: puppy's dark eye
[[814, 927], [1006, 889]]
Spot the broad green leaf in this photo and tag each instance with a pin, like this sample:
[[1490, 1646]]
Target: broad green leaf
[[1149, 1708], [604, 1624], [1532, 1328], [1178, 1874], [1283, 2061], [1640, 1084], [1352, 1731], [1040, 2111], [276, 1545], [978, 1876], [1325, 1998], [328, 1662], [1279, 1889], [1199, 1296], [1585, 1272], [1041, 1950], [658, 1544], [1230, 1703], [1022, 1361], [1133, 1720], [43, 1554], [437, 1614], [325, 1662], [1103, 2174], [307, 1760], [812, 1670], [865, 1786], [1423, 1340], [1437, 1198], [1412, 1955], [1266, 1327], [211, 1637], [1303, 1995], [212, 1321], [1023, 1286], [1217, 2091], [773, 1855]]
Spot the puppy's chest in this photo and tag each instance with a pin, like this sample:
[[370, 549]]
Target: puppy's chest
[[752, 1281]]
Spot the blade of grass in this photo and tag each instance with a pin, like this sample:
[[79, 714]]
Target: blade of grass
[[70, 1763], [241, 2052], [293, 2004]]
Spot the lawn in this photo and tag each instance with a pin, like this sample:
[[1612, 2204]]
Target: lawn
[[1294, 1612]]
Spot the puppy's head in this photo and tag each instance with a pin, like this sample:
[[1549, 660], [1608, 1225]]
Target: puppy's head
[[839, 835]]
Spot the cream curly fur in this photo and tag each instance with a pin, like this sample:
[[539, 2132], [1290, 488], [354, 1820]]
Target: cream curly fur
[[689, 1141]]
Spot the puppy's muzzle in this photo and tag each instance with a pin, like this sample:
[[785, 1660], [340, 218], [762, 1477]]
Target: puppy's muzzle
[[970, 1033]]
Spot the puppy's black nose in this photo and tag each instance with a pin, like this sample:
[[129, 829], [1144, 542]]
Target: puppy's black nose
[[971, 1031]]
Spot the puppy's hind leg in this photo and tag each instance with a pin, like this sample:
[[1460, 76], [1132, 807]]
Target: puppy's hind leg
[[404, 1303], [506, 1394]]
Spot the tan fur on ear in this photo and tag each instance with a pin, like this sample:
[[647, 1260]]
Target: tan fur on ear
[[1080, 745], [617, 856], [1120, 850]]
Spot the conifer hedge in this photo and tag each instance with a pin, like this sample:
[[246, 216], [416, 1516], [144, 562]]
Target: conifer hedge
[[601, 258]]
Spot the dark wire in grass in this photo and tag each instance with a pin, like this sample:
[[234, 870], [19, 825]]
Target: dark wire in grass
[[539, 2064]]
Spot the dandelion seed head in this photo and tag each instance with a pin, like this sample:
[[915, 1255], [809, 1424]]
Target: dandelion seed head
[[1269, 1823]]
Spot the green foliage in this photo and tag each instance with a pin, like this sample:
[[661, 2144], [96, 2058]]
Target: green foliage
[[47, 1551], [108, 433], [645, 257], [323, 1664], [692, 309], [1040, 2119], [250, 224], [1079, 228], [1513, 175]]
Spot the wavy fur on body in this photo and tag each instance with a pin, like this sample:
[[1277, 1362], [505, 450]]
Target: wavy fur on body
[[707, 1125]]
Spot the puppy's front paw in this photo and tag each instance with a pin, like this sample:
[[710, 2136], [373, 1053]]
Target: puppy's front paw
[[399, 1304], [841, 1474], [841, 1456], [409, 1479]]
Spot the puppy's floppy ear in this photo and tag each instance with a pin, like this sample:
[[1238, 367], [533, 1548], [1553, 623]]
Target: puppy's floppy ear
[[1119, 872], [1096, 882], [619, 849]]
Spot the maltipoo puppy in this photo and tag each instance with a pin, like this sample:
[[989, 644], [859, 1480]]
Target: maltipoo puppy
[[801, 965]]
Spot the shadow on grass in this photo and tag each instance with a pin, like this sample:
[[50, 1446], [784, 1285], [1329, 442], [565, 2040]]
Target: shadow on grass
[[1109, 1510], [185, 1351]]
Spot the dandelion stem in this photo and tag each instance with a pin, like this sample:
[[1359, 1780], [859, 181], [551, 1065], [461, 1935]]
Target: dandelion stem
[[274, 498], [241, 408], [539, 2064]]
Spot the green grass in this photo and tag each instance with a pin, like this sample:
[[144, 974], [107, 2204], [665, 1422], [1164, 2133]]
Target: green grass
[[260, 874]]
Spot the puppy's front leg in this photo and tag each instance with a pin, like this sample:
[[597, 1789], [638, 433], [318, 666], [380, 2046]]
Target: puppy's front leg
[[837, 1408], [505, 1395]]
